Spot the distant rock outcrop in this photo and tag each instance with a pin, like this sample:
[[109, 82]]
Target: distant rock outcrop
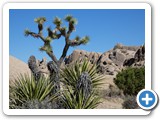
[[138, 60], [81, 55], [112, 61]]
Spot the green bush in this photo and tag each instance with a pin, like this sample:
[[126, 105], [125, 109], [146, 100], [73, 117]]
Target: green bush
[[26, 89], [131, 80]]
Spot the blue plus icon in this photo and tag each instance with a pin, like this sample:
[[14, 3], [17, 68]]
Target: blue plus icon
[[147, 99]]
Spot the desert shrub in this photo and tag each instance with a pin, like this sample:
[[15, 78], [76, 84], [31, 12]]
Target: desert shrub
[[130, 102], [80, 82], [131, 80], [118, 46], [26, 90]]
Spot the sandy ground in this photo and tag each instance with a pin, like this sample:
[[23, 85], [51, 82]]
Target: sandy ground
[[109, 102]]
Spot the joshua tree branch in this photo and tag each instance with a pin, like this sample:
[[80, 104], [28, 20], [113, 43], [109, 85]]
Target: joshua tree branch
[[35, 35], [42, 38], [65, 49]]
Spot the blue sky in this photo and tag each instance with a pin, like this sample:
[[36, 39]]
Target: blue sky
[[104, 27]]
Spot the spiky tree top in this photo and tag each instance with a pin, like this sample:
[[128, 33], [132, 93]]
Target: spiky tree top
[[59, 31]]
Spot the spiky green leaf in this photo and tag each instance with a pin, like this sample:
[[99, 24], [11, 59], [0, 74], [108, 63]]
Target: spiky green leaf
[[40, 20], [68, 18], [57, 21], [26, 32], [85, 40]]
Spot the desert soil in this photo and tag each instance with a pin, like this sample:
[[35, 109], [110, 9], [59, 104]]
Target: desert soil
[[109, 102]]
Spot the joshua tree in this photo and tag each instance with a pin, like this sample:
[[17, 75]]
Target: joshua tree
[[58, 32]]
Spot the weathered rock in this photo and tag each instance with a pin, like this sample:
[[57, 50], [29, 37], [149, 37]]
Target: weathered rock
[[111, 70], [140, 54], [38, 68], [79, 55], [112, 61], [121, 46], [34, 68], [106, 65], [118, 58], [138, 60]]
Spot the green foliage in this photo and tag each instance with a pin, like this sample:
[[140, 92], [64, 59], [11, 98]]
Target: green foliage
[[77, 38], [57, 33], [57, 21], [72, 74], [47, 47], [131, 80], [26, 88], [26, 32], [130, 103], [68, 18], [80, 82], [48, 39], [85, 40], [40, 20], [79, 101], [78, 41], [73, 21]]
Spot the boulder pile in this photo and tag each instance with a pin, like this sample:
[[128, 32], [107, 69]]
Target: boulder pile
[[112, 61]]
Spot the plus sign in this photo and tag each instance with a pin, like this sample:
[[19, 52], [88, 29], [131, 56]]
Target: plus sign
[[147, 99]]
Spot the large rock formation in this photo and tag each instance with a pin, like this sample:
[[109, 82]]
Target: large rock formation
[[81, 55], [138, 60], [112, 61]]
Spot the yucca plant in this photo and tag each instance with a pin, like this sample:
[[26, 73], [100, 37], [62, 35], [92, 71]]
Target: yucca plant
[[79, 101], [80, 82], [26, 88], [71, 74]]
